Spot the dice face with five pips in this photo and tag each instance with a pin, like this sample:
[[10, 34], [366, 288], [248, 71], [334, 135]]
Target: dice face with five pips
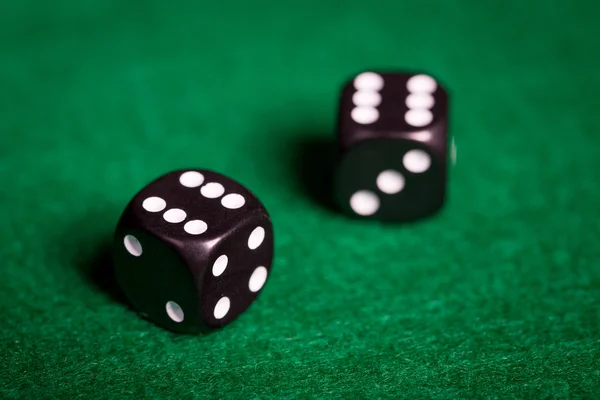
[[192, 250], [393, 146]]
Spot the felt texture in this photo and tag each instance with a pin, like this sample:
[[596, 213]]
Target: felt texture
[[496, 297]]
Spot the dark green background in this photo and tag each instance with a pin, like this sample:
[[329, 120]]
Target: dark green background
[[496, 297]]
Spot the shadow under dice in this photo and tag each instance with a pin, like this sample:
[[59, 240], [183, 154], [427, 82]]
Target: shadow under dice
[[393, 142], [192, 250]]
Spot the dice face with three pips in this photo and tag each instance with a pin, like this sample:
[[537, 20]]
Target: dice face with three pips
[[393, 145], [192, 250]]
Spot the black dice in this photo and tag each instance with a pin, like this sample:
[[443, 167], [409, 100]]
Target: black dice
[[192, 250], [393, 145]]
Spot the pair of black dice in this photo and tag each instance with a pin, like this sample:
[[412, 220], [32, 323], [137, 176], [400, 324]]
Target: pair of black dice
[[193, 249]]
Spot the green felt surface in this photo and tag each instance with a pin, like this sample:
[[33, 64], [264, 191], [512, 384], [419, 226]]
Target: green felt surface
[[497, 297]]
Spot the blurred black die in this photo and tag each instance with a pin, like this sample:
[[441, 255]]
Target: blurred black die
[[393, 143]]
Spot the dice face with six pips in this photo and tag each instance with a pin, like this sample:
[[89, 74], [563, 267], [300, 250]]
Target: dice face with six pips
[[192, 250], [393, 146]]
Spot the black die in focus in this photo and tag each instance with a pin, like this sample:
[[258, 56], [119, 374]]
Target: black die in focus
[[192, 250], [392, 137]]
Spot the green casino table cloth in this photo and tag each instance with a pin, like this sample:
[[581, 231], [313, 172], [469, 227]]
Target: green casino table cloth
[[497, 296]]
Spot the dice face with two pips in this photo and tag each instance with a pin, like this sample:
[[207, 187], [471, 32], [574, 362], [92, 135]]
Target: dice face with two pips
[[393, 143], [192, 250]]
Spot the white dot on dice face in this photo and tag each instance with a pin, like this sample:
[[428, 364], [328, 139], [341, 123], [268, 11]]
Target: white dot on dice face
[[233, 201], [420, 100], [195, 227], [212, 190], [132, 245], [364, 203], [418, 117], [421, 83], [390, 181], [423, 136], [364, 115], [174, 311], [174, 215], [220, 265], [368, 81], [366, 98], [416, 161], [154, 204], [257, 279], [191, 179], [222, 307], [256, 238]]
